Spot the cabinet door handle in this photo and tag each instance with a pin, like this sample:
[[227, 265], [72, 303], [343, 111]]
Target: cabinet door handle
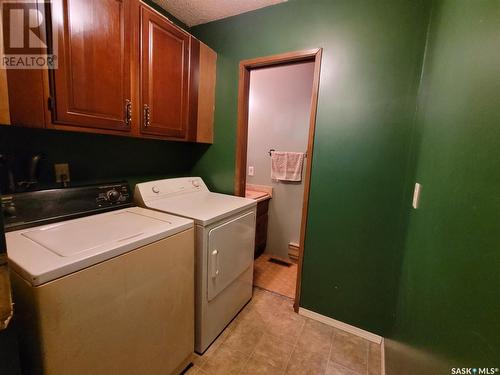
[[128, 112], [147, 116]]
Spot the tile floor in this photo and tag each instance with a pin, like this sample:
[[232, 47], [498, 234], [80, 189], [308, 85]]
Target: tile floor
[[268, 337], [278, 278]]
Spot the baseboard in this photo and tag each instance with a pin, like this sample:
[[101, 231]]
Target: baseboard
[[293, 251], [342, 326]]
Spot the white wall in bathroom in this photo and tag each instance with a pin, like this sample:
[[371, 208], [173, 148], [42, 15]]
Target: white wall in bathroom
[[279, 111]]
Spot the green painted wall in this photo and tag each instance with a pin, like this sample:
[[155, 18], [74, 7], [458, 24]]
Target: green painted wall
[[371, 66], [449, 304]]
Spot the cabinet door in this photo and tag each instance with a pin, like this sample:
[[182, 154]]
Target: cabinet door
[[91, 86], [164, 76], [203, 61]]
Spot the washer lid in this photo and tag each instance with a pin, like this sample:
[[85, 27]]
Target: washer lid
[[42, 254], [203, 207], [73, 237]]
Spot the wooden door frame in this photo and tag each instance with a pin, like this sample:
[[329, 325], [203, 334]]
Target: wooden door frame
[[313, 55]]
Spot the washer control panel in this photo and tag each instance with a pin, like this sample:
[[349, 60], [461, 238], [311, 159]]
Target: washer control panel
[[24, 210], [113, 195]]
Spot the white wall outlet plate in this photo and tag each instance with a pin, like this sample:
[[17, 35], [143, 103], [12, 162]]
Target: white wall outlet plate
[[416, 195], [251, 171], [62, 172]]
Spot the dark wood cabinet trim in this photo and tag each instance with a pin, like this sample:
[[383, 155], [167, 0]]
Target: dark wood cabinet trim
[[194, 83]]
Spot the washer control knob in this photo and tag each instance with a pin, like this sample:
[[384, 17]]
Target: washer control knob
[[195, 183], [156, 189], [113, 195]]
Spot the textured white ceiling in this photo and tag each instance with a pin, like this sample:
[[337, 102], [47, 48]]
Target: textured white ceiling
[[196, 12]]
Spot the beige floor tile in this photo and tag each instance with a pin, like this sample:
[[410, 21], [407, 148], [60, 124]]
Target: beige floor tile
[[193, 370], [273, 351], [288, 304], [257, 367], [316, 337], [269, 302], [287, 326], [225, 361], [260, 314], [350, 351], [335, 369], [244, 337], [374, 359], [258, 293], [197, 360], [255, 317], [268, 337], [287, 310], [304, 362], [216, 344]]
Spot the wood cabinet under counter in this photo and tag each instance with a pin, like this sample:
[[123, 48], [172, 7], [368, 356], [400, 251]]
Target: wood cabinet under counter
[[262, 198], [261, 227]]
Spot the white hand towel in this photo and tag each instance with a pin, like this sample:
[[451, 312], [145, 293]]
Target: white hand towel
[[287, 166], [278, 165], [294, 165]]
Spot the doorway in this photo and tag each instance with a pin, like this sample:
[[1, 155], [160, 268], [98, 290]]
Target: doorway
[[276, 118]]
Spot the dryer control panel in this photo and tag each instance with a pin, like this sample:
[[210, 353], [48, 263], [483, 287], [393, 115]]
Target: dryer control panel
[[153, 190]]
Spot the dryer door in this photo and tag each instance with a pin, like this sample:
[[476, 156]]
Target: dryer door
[[230, 252]]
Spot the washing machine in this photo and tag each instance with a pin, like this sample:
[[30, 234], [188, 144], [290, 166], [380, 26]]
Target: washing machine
[[100, 287], [224, 241]]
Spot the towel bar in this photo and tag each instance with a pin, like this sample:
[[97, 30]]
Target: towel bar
[[272, 150]]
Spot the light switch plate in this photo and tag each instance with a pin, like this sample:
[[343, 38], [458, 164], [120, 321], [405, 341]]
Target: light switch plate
[[251, 171], [416, 195]]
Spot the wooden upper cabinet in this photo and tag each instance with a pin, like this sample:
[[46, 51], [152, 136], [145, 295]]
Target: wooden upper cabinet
[[92, 85], [164, 72], [24, 89], [203, 62], [123, 68]]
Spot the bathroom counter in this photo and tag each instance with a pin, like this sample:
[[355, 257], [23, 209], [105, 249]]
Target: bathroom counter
[[259, 196]]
